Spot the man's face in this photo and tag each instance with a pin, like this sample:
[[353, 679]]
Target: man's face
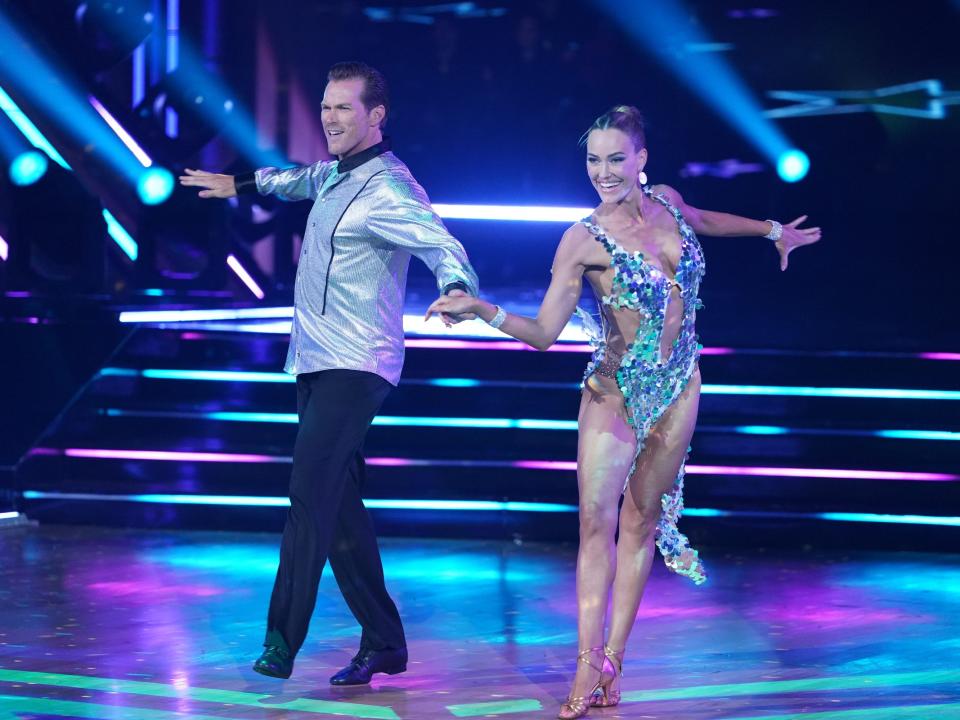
[[349, 127]]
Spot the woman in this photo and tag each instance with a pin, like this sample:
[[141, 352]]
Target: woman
[[640, 254]]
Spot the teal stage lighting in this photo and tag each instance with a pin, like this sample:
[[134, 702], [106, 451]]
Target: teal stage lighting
[[28, 167], [793, 165], [54, 92], [669, 32], [155, 185], [204, 101]]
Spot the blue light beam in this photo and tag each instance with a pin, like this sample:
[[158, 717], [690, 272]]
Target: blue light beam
[[39, 141], [28, 167], [50, 91], [217, 104], [29, 130], [793, 165], [666, 30], [155, 185]]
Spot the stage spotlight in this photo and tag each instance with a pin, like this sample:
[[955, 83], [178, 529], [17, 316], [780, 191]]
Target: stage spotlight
[[57, 234], [25, 164], [95, 34], [110, 30], [793, 165], [668, 29], [182, 243], [27, 128], [155, 186], [28, 167], [52, 91], [205, 106]]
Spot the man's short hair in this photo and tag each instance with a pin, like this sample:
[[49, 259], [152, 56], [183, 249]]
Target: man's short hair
[[374, 84]]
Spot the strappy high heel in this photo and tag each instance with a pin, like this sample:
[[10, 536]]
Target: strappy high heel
[[577, 707], [608, 693]]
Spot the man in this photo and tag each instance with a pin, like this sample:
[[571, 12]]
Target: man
[[346, 350]]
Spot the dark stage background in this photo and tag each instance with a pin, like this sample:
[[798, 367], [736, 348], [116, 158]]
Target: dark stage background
[[489, 100], [488, 106], [489, 110]]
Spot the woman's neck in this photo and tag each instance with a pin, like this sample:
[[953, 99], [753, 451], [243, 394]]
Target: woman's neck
[[628, 211]]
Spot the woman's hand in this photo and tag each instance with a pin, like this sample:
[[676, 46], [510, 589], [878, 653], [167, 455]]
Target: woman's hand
[[449, 307], [794, 237], [215, 185]]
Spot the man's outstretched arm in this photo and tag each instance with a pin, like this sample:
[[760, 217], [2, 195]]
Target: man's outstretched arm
[[296, 183], [214, 185]]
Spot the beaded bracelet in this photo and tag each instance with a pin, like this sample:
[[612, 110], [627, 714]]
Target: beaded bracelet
[[497, 320], [776, 232]]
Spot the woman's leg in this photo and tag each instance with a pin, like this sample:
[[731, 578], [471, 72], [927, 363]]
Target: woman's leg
[[605, 451], [657, 468]]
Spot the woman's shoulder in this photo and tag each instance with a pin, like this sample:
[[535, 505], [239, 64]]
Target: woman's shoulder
[[577, 235], [577, 230], [575, 245], [668, 192]]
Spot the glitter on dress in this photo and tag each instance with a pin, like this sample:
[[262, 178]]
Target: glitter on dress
[[649, 383]]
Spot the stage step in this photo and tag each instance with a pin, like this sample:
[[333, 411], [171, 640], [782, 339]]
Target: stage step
[[182, 414]]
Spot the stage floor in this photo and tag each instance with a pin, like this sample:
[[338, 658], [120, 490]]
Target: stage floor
[[147, 625]]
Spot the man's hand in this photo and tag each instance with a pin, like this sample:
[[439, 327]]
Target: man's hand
[[215, 185], [452, 318], [454, 307]]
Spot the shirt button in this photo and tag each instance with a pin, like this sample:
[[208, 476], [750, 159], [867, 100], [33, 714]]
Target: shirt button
[[323, 199]]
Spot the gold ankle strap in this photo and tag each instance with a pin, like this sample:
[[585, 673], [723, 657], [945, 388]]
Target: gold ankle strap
[[584, 655], [615, 655]]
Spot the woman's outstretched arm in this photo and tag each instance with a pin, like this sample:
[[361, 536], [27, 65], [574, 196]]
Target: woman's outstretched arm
[[720, 224], [555, 310]]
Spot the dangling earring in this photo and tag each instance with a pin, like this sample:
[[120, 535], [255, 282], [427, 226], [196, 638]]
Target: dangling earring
[[642, 178]]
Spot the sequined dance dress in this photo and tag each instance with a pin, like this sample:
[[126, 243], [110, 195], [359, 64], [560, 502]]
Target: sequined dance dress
[[642, 305]]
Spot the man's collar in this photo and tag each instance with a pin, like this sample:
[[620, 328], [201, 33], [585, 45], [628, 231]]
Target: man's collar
[[354, 161]]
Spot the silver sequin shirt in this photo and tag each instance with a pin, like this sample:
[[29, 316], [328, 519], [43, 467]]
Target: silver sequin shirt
[[352, 274]]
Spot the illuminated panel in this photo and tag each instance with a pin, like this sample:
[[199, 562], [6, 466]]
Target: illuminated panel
[[563, 465], [245, 277], [481, 506], [126, 138], [120, 235], [708, 389]]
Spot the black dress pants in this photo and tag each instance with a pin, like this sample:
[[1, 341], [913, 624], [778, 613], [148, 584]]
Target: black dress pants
[[327, 518]]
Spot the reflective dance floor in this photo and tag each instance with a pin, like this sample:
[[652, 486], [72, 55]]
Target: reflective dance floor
[[150, 625]]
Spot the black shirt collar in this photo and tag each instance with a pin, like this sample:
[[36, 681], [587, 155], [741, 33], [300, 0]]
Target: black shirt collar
[[355, 161]]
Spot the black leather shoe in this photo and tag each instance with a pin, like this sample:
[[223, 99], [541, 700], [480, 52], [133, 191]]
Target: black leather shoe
[[275, 662], [367, 662]]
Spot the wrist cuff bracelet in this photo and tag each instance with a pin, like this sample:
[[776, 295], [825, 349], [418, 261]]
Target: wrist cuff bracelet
[[776, 232], [497, 320]]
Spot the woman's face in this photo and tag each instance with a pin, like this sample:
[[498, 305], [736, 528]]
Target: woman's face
[[613, 163]]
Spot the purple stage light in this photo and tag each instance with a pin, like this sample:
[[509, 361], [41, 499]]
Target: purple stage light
[[570, 465], [4, 250], [717, 351], [567, 465], [833, 473], [138, 152], [441, 344], [244, 276], [392, 462], [171, 455], [725, 169]]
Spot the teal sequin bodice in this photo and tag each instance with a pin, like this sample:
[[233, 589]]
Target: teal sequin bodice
[[644, 288], [649, 379]]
